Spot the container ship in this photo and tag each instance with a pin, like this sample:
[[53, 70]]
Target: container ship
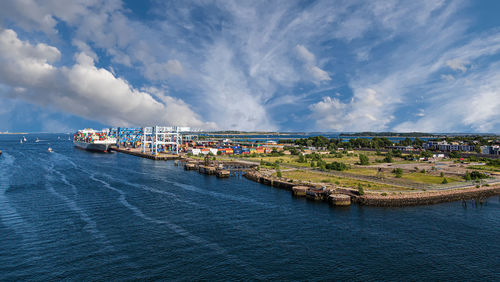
[[93, 140]]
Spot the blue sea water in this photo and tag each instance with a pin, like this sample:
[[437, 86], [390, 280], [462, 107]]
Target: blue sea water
[[72, 214]]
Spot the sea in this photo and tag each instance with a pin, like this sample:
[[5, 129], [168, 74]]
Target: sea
[[76, 215]]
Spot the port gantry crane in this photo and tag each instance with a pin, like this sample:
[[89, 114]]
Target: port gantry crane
[[154, 139]]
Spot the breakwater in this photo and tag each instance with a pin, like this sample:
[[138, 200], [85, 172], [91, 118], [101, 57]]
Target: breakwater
[[428, 198], [375, 199]]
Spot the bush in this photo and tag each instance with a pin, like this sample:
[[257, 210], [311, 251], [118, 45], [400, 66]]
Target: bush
[[388, 158], [441, 174], [363, 160], [361, 191], [384, 194], [337, 166], [278, 173], [444, 181], [398, 172], [475, 175], [422, 171], [322, 166]]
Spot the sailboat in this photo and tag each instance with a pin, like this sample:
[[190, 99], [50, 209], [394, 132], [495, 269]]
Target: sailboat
[[24, 139], [37, 140], [21, 141], [50, 150]]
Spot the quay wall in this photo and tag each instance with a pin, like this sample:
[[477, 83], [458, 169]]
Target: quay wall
[[398, 200], [428, 198]]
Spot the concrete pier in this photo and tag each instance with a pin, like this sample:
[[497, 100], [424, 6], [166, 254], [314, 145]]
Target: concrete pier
[[222, 173], [339, 199], [190, 166], [299, 191]]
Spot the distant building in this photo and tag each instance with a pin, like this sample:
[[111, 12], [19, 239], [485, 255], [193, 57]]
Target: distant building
[[490, 150], [446, 147]]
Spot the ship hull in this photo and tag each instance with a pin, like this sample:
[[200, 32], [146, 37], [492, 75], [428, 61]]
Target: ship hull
[[92, 146]]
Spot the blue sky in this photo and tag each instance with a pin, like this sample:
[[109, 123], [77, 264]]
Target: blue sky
[[429, 66]]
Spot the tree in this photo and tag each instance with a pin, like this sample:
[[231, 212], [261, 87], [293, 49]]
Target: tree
[[302, 159], [444, 181], [467, 176], [278, 173], [388, 158], [425, 154], [361, 191], [363, 160], [337, 166], [398, 172]]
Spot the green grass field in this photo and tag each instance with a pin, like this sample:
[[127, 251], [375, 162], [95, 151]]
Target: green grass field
[[340, 181], [485, 168], [428, 179]]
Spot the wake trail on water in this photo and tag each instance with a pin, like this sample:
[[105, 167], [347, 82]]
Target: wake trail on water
[[90, 226], [236, 226], [9, 215], [171, 195], [240, 199], [177, 229]]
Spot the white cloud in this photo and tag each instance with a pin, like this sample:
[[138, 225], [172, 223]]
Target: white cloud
[[160, 71], [457, 64], [447, 77], [471, 103], [305, 55], [317, 74], [365, 111], [84, 89]]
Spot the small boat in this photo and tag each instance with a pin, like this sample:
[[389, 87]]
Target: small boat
[[50, 150]]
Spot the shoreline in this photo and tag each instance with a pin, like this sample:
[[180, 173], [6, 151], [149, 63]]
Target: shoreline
[[389, 200], [379, 199]]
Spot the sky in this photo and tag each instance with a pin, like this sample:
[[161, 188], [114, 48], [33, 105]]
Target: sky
[[329, 66]]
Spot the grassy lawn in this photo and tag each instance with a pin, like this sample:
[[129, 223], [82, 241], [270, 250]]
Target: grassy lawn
[[340, 181], [428, 179], [363, 171], [485, 168]]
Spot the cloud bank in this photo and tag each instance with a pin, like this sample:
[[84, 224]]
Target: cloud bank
[[308, 66], [83, 89]]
